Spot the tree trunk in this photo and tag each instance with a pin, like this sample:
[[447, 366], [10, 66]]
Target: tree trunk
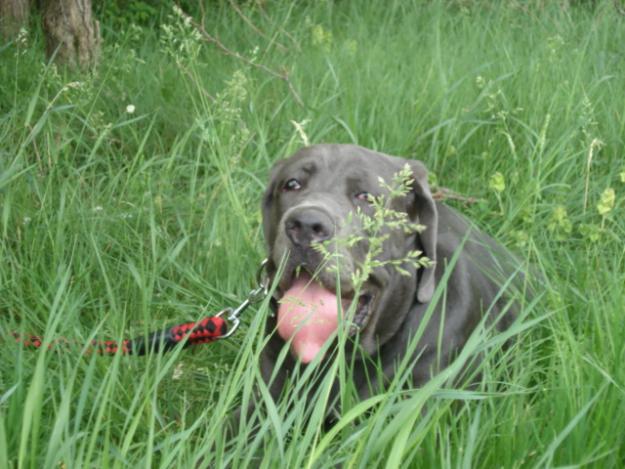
[[13, 16], [72, 34]]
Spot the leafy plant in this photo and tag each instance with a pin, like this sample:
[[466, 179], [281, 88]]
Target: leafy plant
[[377, 228]]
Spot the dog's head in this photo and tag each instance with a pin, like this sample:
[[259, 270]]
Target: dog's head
[[313, 197]]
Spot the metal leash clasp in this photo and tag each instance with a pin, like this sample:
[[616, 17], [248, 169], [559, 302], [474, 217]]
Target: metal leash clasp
[[254, 296]]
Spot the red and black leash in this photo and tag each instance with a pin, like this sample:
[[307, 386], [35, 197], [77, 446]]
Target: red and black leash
[[204, 331]]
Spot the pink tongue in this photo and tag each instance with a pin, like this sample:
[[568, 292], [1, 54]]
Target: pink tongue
[[308, 316]]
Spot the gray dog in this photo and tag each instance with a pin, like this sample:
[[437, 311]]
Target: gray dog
[[309, 200]]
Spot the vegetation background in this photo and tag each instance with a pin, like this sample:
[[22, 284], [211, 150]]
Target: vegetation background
[[129, 199]]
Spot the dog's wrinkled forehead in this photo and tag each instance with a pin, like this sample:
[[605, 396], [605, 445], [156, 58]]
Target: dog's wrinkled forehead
[[335, 166]]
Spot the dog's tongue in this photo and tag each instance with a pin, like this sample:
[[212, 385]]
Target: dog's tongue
[[308, 316]]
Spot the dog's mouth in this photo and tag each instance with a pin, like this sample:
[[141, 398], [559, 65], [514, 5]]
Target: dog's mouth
[[310, 313]]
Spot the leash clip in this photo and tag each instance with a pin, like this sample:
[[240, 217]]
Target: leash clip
[[254, 296]]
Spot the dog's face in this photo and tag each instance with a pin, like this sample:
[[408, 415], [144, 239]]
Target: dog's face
[[314, 197]]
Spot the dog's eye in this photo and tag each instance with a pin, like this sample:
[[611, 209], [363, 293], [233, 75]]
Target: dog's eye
[[364, 196], [292, 185]]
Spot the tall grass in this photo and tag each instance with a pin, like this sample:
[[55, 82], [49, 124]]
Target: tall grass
[[114, 222]]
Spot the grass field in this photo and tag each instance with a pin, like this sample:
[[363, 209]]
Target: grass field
[[129, 199]]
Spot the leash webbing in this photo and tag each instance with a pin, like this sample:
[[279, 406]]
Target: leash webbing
[[204, 331]]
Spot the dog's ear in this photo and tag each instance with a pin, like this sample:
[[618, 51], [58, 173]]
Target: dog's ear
[[269, 225], [425, 213]]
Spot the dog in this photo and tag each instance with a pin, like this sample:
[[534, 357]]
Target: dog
[[311, 199]]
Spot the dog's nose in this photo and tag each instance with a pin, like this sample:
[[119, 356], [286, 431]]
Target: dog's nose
[[308, 225]]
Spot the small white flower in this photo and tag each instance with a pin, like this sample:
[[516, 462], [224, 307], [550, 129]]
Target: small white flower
[[97, 208], [22, 37], [130, 109], [26, 220]]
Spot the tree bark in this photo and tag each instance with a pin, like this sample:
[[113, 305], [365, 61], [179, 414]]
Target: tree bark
[[13, 16], [72, 33]]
